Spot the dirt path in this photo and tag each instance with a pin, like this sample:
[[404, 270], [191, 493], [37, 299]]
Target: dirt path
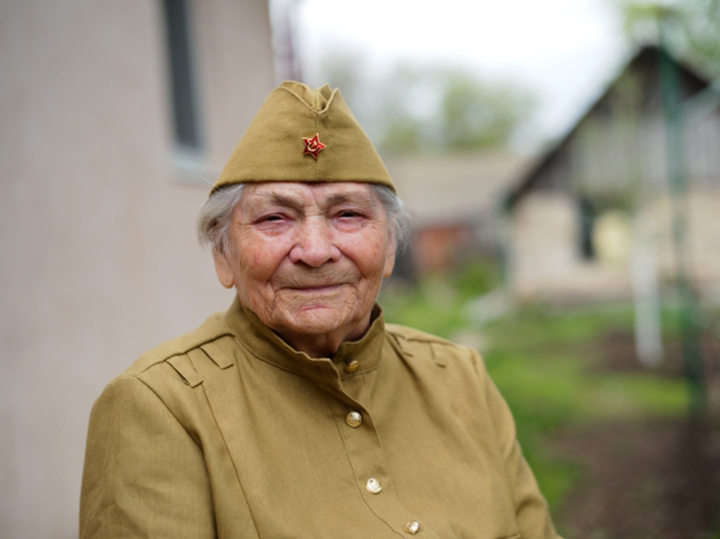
[[651, 479]]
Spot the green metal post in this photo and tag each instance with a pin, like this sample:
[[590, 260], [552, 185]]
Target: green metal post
[[689, 327]]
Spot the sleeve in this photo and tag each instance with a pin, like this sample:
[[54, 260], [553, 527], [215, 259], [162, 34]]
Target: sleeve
[[532, 513], [144, 475]]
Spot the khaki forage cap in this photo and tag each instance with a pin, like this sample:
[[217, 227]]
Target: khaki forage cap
[[274, 149]]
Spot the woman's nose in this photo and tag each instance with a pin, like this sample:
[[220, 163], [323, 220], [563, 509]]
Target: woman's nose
[[314, 244]]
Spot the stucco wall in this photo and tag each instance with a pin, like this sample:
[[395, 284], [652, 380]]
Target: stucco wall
[[546, 261], [700, 212], [99, 259]]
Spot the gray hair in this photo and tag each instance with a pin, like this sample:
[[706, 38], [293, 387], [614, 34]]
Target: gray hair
[[213, 221]]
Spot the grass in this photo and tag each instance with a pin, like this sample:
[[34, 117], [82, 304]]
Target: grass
[[549, 391], [542, 363]]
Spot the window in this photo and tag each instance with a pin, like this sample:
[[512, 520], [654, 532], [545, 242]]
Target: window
[[587, 216], [184, 92]]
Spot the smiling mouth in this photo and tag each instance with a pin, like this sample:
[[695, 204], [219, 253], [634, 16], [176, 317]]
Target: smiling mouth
[[316, 289]]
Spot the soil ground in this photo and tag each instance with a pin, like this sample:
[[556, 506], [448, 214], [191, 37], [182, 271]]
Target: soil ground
[[648, 479]]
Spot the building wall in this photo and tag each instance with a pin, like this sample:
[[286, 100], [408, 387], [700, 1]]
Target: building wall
[[99, 258], [546, 262], [702, 233], [438, 249], [542, 239], [703, 224], [616, 160], [453, 201]]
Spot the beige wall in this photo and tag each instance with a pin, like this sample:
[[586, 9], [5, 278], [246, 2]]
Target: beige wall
[[97, 249], [702, 228], [545, 261]]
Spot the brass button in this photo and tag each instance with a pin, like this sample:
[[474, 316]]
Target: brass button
[[354, 419], [352, 366], [412, 527], [373, 486]]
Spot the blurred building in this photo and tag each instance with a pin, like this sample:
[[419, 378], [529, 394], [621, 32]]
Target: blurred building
[[455, 201], [111, 112], [595, 216]]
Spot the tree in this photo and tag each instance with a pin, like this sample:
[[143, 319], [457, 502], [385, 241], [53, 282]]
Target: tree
[[430, 108], [474, 115], [690, 27]]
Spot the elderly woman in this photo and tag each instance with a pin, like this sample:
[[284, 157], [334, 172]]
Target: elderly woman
[[299, 412]]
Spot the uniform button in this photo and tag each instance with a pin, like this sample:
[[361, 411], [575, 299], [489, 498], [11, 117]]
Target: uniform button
[[412, 527], [352, 366], [354, 419], [373, 486]]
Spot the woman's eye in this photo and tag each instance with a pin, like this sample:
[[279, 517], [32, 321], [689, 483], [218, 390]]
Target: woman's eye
[[349, 214], [271, 218]]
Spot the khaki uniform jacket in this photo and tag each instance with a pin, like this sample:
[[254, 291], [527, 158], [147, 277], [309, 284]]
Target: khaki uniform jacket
[[228, 432]]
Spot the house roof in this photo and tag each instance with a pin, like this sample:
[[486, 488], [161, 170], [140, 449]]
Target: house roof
[[644, 55], [447, 189]]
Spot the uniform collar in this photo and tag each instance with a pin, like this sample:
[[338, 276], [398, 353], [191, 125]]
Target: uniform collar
[[268, 346]]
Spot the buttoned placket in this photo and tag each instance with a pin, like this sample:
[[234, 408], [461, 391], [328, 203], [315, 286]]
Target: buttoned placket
[[366, 457], [361, 440]]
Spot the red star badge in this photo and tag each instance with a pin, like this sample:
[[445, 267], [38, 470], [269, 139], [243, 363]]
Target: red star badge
[[313, 146]]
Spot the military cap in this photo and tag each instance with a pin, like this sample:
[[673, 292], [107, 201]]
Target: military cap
[[304, 135]]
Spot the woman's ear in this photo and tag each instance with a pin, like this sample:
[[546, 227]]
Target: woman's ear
[[390, 259], [223, 269]]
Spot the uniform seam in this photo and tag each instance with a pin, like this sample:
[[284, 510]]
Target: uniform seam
[[352, 466], [184, 352], [420, 338], [272, 363], [316, 111], [165, 405], [287, 369], [227, 448], [317, 130], [360, 373]]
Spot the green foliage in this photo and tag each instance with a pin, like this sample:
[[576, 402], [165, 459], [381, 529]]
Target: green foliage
[[543, 364], [402, 134], [475, 115], [437, 304], [432, 108], [690, 27], [434, 307], [474, 278], [451, 110]]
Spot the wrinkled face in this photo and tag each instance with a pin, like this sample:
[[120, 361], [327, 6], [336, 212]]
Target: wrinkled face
[[308, 259]]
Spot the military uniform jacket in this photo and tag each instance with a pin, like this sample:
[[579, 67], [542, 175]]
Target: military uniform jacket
[[229, 432]]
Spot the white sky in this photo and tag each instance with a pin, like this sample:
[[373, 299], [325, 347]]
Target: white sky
[[564, 51]]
